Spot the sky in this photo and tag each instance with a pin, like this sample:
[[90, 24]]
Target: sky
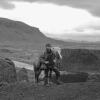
[[61, 19]]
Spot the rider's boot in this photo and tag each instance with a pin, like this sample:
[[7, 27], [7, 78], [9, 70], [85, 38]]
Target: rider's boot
[[45, 81]]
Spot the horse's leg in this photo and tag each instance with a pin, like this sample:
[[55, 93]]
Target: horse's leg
[[50, 75], [37, 76], [37, 71]]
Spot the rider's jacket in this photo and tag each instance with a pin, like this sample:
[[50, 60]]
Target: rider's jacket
[[48, 57]]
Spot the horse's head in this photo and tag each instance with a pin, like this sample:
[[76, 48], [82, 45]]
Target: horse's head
[[57, 50]]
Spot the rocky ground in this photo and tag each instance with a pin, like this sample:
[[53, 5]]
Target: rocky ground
[[68, 91], [65, 91]]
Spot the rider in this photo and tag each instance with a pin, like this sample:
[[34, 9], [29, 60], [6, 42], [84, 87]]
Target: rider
[[49, 57]]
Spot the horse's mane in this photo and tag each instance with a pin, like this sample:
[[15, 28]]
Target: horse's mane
[[57, 50]]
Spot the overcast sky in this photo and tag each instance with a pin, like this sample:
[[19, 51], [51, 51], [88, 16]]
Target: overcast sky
[[62, 19]]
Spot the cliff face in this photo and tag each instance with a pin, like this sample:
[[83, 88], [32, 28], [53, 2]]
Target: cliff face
[[81, 60]]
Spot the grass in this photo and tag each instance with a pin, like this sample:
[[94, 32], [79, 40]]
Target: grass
[[69, 91]]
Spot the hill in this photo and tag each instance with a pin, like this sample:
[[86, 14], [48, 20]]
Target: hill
[[20, 34]]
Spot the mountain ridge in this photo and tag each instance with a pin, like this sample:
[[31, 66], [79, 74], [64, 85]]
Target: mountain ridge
[[19, 33]]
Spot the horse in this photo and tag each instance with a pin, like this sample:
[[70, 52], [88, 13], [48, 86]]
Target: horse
[[40, 66]]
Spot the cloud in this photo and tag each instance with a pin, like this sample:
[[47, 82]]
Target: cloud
[[79, 36], [87, 32], [5, 4], [92, 6]]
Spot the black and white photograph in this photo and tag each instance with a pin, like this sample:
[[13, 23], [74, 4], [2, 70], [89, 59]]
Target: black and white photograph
[[49, 49]]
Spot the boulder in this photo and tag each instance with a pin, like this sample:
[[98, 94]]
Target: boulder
[[7, 71], [95, 77], [72, 77], [23, 75], [80, 60]]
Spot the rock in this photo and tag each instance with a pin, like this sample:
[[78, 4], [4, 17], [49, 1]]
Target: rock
[[23, 75], [94, 77], [7, 71], [80, 60], [73, 77]]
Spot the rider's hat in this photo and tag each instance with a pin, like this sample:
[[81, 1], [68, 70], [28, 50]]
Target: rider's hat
[[48, 45]]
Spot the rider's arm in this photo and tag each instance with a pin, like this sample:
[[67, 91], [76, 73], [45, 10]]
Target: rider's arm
[[42, 57]]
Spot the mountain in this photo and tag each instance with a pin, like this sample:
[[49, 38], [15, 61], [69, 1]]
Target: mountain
[[17, 31], [19, 34]]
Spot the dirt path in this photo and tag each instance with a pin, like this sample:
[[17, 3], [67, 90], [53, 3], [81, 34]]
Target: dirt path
[[30, 67], [23, 65]]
